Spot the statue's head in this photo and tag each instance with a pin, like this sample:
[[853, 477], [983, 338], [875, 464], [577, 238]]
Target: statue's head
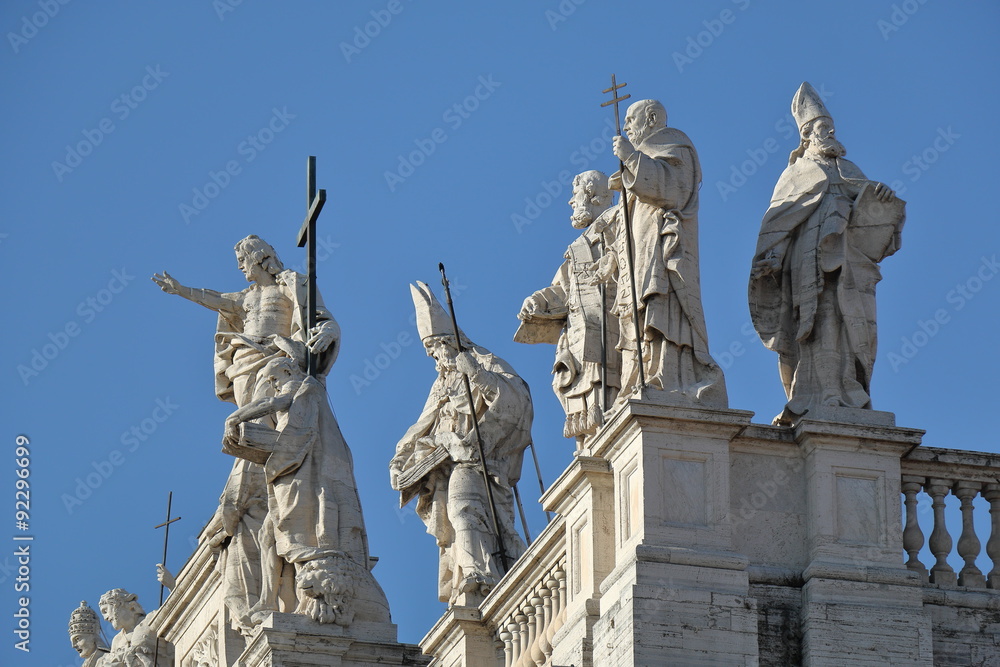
[[443, 350], [84, 631], [817, 137], [816, 129], [121, 609], [254, 254], [591, 197], [643, 119], [280, 371]]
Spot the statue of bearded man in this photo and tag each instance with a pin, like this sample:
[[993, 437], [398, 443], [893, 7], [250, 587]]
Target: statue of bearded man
[[812, 283], [437, 460], [575, 314], [136, 644]]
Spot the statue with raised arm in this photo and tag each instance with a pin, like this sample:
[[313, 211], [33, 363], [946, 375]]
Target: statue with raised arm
[[136, 644], [661, 175], [314, 522], [812, 283], [575, 314], [437, 460], [85, 634], [265, 321]]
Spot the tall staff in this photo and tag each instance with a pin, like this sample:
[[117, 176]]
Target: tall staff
[[475, 424], [628, 229]]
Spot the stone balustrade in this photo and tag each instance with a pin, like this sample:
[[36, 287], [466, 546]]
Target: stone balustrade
[[529, 606], [938, 473]]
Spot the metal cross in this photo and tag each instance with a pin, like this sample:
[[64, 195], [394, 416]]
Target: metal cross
[[628, 229], [307, 235], [166, 537]]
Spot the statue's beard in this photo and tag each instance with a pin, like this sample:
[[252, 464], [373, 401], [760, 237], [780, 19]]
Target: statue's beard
[[581, 219], [830, 147]]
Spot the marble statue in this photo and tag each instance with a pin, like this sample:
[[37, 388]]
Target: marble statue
[[136, 644], [85, 634], [437, 460], [575, 314], [662, 176], [262, 537], [812, 283], [314, 522]]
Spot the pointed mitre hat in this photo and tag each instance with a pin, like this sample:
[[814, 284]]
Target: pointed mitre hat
[[83, 621], [432, 320], [807, 105]]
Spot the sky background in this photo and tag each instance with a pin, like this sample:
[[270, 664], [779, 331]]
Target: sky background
[[122, 119]]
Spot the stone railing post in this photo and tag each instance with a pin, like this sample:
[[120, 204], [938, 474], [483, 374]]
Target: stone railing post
[[913, 537], [968, 543], [940, 543]]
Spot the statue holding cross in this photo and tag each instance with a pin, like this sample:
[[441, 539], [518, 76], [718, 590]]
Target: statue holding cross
[[654, 261], [260, 529]]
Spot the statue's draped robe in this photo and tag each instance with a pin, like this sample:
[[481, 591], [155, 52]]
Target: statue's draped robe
[[312, 496], [452, 499], [243, 503], [137, 649], [576, 305], [662, 178], [818, 311]]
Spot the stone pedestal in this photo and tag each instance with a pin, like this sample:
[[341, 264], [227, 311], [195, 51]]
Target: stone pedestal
[[293, 640], [678, 593], [195, 619], [857, 591], [461, 638]]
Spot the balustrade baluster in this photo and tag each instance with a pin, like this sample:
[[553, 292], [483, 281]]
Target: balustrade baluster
[[991, 492], [543, 637], [522, 629], [968, 544], [913, 537], [506, 637], [536, 644], [940, 543]]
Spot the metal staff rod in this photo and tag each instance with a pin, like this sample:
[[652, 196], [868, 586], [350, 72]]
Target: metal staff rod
[[166, 537], [475, 424], [628, 229]]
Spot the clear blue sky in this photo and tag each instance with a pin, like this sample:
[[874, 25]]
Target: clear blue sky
[[122, 119]]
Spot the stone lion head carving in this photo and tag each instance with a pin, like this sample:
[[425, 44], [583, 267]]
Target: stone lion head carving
[[326, 589]]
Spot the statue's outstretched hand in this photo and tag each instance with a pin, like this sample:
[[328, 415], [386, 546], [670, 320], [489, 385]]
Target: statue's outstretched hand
[[883, 192], [466, 363], [167, 283]]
